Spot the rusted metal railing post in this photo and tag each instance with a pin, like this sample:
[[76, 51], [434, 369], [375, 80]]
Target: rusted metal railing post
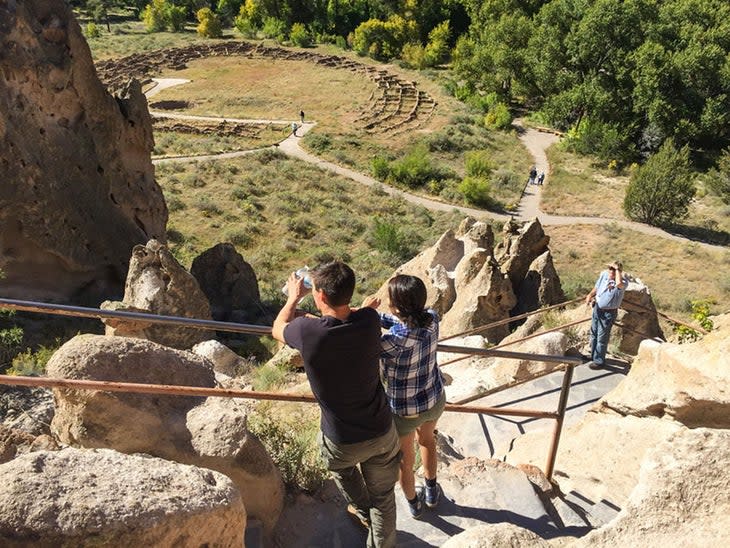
[[562, 405]]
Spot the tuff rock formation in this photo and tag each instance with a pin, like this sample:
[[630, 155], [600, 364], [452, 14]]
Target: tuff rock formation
[[682, 497], [498, 534], [687, 383], [228, 282], [16, 442], [99, 497], [224, 359], [205, 432], [78, 186], [669, 390], [471, 283], [158, 284]]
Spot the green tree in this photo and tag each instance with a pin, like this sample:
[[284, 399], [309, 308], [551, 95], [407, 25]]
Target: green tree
[[99, 10], [154, 16], [383, 40], [718, 179], [649, 70], [274, 28], [477, 191], [253, 11], [209, 24], [176, 17], [661, 190], [227, 10], [300, 36], [437, 49]]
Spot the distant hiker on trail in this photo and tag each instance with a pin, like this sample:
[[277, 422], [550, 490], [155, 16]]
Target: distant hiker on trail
[[294, 127], [301, 116], [605, 297], [413, 383], [533, 174], [541, 178], [340, 349]]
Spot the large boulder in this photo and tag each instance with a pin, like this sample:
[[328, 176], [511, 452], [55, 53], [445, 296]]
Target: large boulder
[[682, 497], [638, 317], [507, 370], [540, 286], [131, 423], [208, 432], [221, 441], [78, 186], [224, 359], [599, 458], [158, 284], [689, 383], [100, 497], [228, 282]]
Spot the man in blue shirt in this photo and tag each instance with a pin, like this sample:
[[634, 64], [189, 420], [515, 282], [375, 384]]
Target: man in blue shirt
[[605, 297]]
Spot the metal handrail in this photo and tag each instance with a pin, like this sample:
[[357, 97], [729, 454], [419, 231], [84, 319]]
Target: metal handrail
[[510, 319], [174, 390]]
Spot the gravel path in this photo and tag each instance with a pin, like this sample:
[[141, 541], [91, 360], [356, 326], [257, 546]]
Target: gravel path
[[536, 142]]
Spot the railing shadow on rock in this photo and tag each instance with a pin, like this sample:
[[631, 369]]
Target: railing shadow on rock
[[565, 363]]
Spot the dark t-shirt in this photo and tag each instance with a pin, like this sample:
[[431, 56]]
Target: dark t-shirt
[[341, 360]]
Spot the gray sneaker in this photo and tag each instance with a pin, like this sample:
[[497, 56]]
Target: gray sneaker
[[433, 494]]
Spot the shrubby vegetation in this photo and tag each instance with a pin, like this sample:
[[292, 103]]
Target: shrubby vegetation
[[414, 170], [661, 190], [718, 179], [700, 313], [209, 24], [292, 444]]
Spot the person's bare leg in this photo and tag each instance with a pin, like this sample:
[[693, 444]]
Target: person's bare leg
[[407, 479], [427, 446]]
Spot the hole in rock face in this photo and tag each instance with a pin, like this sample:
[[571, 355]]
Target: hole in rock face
[[170, 105]]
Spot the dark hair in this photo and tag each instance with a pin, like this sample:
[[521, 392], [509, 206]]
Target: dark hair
[[336, 280], [408, 296]]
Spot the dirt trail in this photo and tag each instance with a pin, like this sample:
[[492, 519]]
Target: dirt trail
[[536, 142]]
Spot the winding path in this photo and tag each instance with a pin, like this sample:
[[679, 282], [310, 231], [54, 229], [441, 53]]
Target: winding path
[[536, 142]]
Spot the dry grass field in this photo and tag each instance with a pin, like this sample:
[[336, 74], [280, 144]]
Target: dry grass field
[[270, 89], [281, 213], [675, 272], [575, 187]]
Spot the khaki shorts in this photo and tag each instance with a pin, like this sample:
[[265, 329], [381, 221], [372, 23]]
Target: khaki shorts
[[406, 425]]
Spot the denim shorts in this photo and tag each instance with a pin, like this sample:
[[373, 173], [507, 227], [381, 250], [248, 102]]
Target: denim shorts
[[406, 425]]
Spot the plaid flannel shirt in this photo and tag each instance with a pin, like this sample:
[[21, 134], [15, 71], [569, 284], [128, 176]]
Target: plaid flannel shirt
[[408, 367]]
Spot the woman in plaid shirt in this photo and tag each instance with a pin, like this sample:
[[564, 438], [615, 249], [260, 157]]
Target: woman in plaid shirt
[[413, 382]]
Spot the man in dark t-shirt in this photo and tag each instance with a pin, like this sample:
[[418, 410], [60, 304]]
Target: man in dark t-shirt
[[341, 351]]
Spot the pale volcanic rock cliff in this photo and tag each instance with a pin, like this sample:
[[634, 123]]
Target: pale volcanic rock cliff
[[77, 185]]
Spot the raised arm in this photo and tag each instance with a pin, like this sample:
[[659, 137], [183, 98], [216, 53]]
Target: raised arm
[[296, 290]]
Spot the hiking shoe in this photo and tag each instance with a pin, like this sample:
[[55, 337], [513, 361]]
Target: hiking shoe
[[433, 494], [417, 507], [365, 522], [594, 365]]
